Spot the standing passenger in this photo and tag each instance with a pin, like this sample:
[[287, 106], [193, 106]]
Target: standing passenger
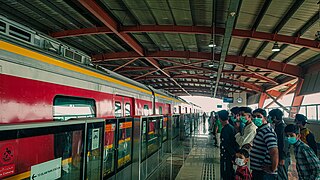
[[235, 117], [264, 153], [228, 147], [308, 164], [217, 129], [283, 146], [306, 135], [245, 137]]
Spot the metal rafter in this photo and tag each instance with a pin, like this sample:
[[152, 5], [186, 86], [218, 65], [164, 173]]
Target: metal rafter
[[232, 12], [239, 33], [108, 21], [125, 64], [262, 12], [279, 67], [283, 21], [195, 76]]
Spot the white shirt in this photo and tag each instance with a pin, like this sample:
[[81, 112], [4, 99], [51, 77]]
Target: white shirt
[[249, 132]]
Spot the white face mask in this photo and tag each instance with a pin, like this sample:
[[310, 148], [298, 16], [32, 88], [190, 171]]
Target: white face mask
[[240, 162]]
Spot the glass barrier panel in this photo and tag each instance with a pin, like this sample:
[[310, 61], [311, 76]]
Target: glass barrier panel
[[165, 129], [153, 135], [39, 151], [175, 126], [318, 112], [124, 142], [311, 112], [95, 135], [144, 139], [109, 148], [302, 110]]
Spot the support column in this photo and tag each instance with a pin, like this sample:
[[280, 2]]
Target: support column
[[263, 97], [297, 100]]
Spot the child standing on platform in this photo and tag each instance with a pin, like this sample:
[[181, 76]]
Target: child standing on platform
[[243, 172]]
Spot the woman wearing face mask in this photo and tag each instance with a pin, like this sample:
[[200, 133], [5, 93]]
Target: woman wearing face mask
[[245, 138], [264, 153], [243, 172]]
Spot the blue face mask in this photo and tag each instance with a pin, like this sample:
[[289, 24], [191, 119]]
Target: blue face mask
[[269, 119], [243, 119], [257, 121], [292, 140]]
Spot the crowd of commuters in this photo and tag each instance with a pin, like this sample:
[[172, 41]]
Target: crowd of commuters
[[259, 145]]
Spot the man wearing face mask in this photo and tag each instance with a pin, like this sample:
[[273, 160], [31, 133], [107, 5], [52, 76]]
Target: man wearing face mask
[[308, 164], [235, 118], [228, 146], [264, 155], [245, 138], [306, 135], [284, 155]]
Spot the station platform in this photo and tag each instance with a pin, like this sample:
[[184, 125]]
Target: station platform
[[197, 158]]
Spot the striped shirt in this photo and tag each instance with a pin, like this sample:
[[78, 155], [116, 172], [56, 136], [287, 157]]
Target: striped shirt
[[264, 140], [308, 164]]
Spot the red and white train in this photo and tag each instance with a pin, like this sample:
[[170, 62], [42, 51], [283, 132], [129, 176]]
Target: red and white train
[[42, 79]]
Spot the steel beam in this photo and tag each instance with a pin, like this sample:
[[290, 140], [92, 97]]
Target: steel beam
[[279, 104], [261, 14], [281, 95], [81, 32], [125, 64], [263, 97], [230, 23], [239, 33], [195, 76], [287, 69], [108, 21], [261, 76], [297, 100]]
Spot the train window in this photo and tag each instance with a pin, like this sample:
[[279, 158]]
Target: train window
[[117, 109], [128, 109], [68, 54], [65, 108], [146, 110], [160, 109], [77, 57], [20, 34], [2, 26]]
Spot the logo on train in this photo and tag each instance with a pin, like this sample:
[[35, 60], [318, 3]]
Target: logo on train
[[7, 154]]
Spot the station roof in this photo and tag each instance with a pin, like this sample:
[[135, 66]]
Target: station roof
[[164, 43]]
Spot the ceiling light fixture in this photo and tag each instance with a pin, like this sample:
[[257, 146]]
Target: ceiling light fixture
[[211, 44], [275, 47]]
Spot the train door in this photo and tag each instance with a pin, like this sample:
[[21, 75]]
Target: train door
[[123, 106]]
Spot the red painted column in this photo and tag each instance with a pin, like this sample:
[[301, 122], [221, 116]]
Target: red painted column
[[263, 97], [297, 99]]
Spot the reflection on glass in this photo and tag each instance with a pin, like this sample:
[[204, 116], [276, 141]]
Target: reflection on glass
[[153, 134], [109, 149], [124, 143], [62, 149], [144, 139], [94, 154], [165, 134]]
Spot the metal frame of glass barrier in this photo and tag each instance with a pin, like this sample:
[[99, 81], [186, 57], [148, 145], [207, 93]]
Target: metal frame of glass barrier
[[311, 111], [121, 154], [37, 139], [149, 144]]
